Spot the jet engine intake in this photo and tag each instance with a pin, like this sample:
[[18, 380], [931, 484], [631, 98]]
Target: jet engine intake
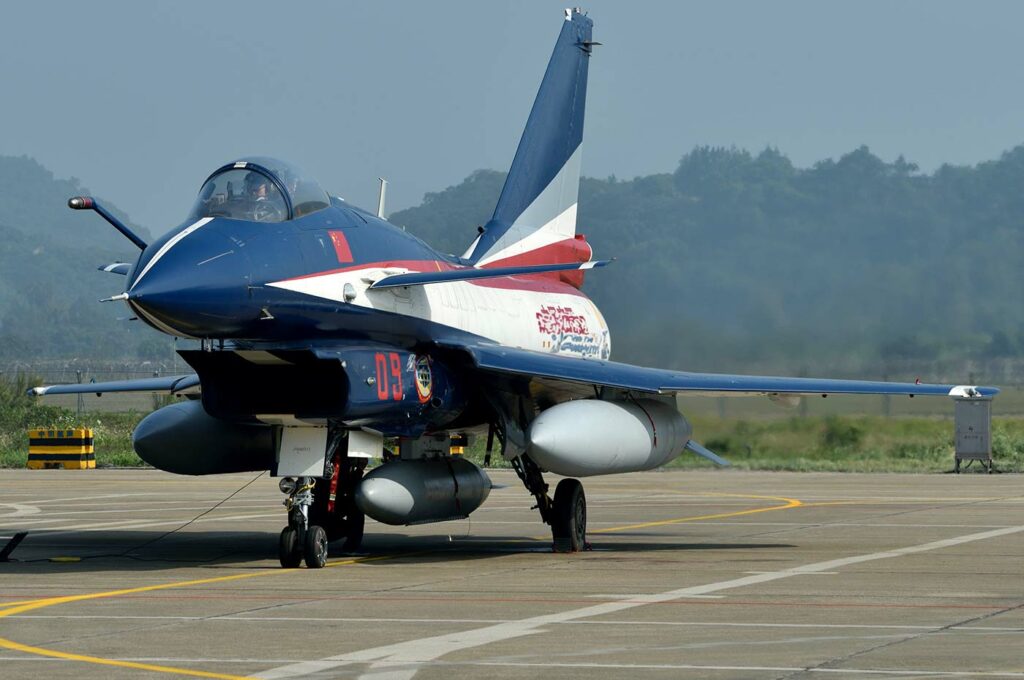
[[422, 491], [590, 437]]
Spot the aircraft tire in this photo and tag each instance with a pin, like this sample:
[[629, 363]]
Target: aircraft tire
[[569, 521], [316, 547], [288, 548]]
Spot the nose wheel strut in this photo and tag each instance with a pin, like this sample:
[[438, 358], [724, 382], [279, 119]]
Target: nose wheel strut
[[321, 511], [301, 539]]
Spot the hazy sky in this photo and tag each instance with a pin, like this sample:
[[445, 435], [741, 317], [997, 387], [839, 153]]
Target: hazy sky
[[141, 100]]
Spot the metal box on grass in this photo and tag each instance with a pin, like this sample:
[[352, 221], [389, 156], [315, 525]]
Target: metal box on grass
[[973, 427]]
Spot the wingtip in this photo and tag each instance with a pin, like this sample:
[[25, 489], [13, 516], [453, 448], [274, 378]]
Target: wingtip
[[973, 392]]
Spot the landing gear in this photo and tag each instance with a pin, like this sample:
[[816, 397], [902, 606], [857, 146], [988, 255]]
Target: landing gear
[[315, 547], [321, 511], [289, 549], [569, 517], [566, 514], [334, 505], [295, 538]]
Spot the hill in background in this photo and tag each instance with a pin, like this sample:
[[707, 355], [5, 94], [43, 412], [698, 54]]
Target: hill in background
[[736, 261], [742, 261], [49, 284]]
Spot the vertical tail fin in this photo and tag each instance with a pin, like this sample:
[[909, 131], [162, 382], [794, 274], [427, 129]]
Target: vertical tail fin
[[537, 207]]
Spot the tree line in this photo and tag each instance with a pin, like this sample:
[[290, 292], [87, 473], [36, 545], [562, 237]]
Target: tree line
[[740, 260], [735, 260]]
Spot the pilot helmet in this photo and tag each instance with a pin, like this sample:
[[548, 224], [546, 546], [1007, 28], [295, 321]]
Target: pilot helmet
[[256, 184]]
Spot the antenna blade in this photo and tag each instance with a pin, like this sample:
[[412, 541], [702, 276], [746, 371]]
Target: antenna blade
[[381, 196]]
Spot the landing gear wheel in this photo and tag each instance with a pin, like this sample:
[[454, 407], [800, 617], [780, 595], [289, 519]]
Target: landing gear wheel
[[288, 549], [334, 507], [569, 517], [316, 547], [354, 536]]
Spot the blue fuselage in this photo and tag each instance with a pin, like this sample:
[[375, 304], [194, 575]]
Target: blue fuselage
[[210, 281]]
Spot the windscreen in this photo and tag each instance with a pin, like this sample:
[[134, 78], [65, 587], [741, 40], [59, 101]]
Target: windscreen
[[304, 191], [241, 194]]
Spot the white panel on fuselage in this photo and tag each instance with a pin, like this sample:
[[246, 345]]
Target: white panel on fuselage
[[561, 323]]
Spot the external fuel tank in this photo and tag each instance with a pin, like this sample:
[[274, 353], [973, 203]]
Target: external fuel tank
[[422, 491], [590, 437]]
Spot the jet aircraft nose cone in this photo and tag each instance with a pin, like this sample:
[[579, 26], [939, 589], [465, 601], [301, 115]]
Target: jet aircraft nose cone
[[193, 285]]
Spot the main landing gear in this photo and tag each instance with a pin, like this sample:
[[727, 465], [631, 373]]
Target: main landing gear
[[566, 513], [321, 511]]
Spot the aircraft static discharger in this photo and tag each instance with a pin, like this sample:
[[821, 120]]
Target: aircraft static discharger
[[329, 335]]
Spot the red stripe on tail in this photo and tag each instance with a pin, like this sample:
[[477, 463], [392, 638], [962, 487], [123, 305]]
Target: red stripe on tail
[[570, 250]]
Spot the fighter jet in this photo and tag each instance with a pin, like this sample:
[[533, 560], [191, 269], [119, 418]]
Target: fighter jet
[[348, 357]]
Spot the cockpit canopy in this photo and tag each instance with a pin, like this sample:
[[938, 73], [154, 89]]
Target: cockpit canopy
[[259, 190]]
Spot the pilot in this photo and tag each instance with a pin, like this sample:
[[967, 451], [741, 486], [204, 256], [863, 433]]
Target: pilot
[[266, 203], [257, 187]]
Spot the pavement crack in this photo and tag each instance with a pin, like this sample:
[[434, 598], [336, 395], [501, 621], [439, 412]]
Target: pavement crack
[[833, 662]]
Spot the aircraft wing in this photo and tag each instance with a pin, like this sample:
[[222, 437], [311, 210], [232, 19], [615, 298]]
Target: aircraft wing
[[173, 384], [600, 373], [121, 268], [576, 373]]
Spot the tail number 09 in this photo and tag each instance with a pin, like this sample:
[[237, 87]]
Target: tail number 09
[[389, 376]]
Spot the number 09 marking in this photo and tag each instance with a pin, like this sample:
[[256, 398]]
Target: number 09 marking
[[389, 376]]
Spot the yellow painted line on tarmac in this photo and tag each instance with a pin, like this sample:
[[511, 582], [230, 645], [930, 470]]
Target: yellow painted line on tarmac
[[3, 605], [786, 504], [41, 651], [31, 605], [13, 608]]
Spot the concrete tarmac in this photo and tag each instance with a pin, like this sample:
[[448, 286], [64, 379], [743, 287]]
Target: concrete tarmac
[[719, 574]]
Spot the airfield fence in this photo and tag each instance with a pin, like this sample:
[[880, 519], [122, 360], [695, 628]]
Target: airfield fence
[[1008, 375]]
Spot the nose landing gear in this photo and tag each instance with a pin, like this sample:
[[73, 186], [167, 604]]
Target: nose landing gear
[[334, 503], [321, 511], [300, 538]]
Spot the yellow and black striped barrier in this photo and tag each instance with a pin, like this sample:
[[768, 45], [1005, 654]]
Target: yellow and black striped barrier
[[50, 448], [459, 444]]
